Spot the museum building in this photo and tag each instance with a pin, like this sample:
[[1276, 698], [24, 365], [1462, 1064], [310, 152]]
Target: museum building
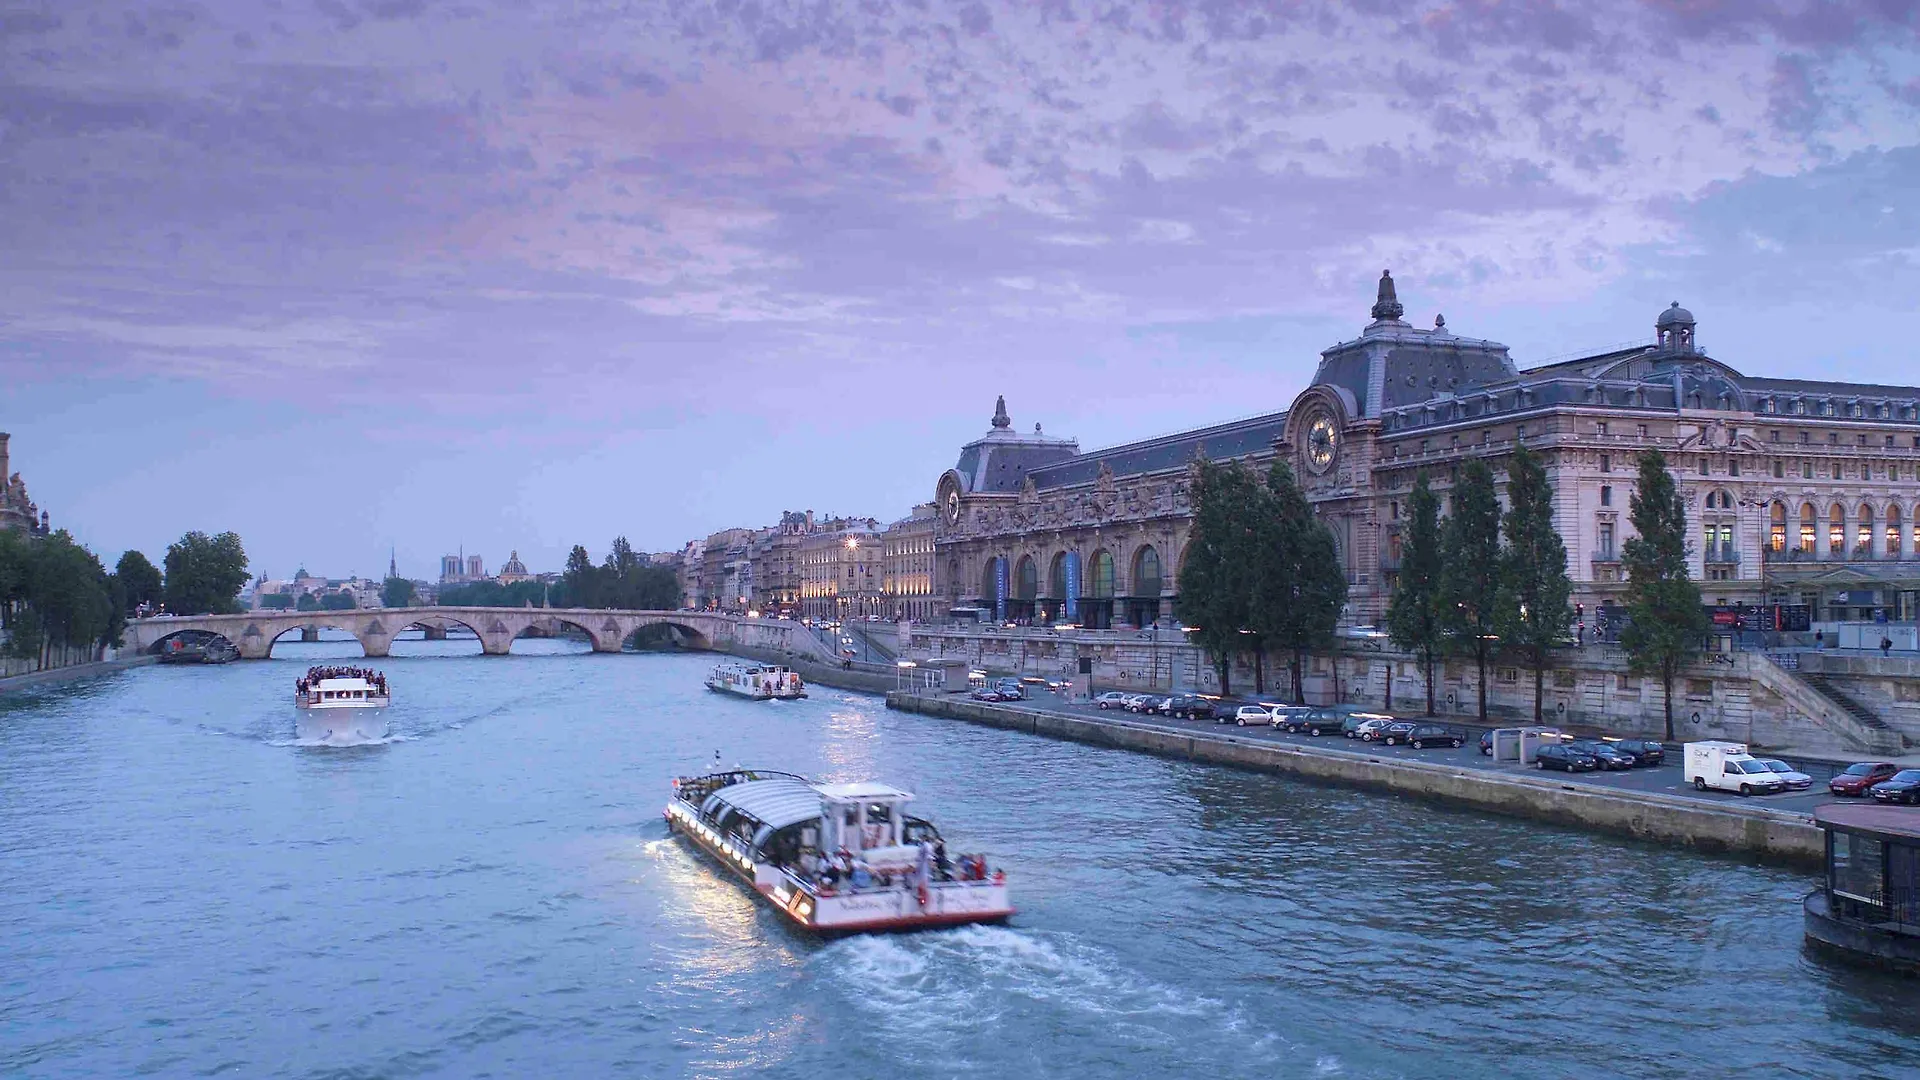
[[1801, 492]]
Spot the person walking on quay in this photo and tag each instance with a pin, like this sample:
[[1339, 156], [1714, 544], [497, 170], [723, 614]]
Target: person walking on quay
[[1886, 646], [1819, 639]]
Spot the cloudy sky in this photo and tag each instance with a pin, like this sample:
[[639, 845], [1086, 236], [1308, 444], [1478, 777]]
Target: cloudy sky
[[342, 275]]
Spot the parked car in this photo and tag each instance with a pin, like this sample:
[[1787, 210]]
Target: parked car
[[1486, 738], [1425, 735], [1901, 787], [1647, 752], [1191, 706], [1858, 778], [1112, 699], [1284, 715], [1794, 778], [1316, 722], [987, 693], [1611, 758], [1010, 689], [1156, 703], [1352, 719], [1248, 714], [1372, 727], [1565, 757], [1726, 766], [1137, 702]]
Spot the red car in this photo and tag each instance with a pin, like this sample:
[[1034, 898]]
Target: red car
[[1858, 778]]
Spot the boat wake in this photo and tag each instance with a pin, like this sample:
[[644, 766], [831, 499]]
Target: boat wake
[[343, 741]]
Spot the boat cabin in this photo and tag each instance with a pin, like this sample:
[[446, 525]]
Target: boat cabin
[[1868, 907]]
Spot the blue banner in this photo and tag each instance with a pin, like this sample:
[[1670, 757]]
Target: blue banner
[[999, 588], [1073, 586]]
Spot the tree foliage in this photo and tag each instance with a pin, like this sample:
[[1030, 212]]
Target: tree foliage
[[1216, 576], [396, 592], [1470, 575], [1415, 619], [338, 601], [54, 592], [1535, 606], [520, 594], [279, 601], [1298, 583], [140, 578], [1666, 625], [205, 574]]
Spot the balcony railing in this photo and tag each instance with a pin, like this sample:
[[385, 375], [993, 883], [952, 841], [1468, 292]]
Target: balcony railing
[[1795, 555], [1607, 557], [1721, 555]]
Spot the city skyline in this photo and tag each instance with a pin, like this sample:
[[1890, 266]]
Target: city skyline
[[549, 278]]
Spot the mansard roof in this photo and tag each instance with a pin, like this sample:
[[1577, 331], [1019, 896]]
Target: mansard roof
[[1237, 438]]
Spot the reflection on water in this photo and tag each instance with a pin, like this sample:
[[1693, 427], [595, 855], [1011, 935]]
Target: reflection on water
[[492, 891]]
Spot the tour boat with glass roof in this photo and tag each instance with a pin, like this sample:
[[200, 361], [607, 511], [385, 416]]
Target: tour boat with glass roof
[[338, 703], [835, 858], [760, 682]]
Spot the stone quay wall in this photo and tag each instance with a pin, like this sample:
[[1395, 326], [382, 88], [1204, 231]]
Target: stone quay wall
[[1772, 835]]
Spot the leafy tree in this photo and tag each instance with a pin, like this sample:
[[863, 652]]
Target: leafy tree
[[1534, 610], [1216, 578], [205, 574], [582, 580], [140, 578], [1470, 576], [54, 592], [278, 601], [338, 601], [396, 592], [307, 602], [1415, 619], [1666, 625], [1299, 584]]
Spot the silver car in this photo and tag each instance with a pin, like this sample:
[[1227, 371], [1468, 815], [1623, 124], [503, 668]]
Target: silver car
[[1792, 777]]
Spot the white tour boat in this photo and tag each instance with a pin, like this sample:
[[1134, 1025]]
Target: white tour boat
[[337, 704], [757, 681], [835, 858]]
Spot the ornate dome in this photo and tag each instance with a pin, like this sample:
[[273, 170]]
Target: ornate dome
[[514, 566], [1674, 316]]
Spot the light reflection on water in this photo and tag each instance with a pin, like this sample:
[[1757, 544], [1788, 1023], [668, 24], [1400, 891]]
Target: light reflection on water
[[493, 892]]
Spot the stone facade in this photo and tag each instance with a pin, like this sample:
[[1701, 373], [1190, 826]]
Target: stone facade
[[840, 567], [17, 511], [906, 573], [1802, 492]]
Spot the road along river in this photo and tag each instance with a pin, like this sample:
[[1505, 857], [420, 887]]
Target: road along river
[[188, 891]]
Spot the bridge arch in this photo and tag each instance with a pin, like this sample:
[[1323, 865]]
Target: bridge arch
[[188, 636], [375, 634]]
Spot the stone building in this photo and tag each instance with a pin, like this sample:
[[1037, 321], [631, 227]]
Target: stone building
[[840, 569], [1801, 492], [906, 573], [513, 570], [16, 510]]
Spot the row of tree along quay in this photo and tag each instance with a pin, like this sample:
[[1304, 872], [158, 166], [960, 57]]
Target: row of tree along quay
[[1483, 584], [623, 580], [55, 594], [1262, 572]]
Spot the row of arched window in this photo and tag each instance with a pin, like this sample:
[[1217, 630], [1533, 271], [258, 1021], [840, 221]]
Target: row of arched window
[[1864, 532], [1097, 579]]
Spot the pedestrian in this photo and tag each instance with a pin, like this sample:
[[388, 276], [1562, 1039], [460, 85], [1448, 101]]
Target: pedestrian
[[1886, 646], [1819, 639]]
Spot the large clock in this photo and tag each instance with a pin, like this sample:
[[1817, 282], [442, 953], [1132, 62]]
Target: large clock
[[949, 499], [1323, 443]]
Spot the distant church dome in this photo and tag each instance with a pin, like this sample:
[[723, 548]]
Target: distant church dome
[[514, 566]]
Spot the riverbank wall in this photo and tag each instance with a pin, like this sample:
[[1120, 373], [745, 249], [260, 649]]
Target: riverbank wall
[[1772, 835], [46, 677], [863, 678]]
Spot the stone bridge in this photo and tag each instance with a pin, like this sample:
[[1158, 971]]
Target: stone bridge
[[253, 633]]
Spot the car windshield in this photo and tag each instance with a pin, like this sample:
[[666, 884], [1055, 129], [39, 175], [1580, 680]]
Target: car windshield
[[1862, 769], [1777, 766], [1911, 776]]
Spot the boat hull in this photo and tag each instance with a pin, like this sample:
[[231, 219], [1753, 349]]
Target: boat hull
[[897, 910], [342, 726], [752, 694]]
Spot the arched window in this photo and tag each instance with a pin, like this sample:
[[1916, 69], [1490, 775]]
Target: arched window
[[1057, 578], [1146, 572], [990, 580], [1806, 528], [1099, 583], [1777, 530], [1893, 531], [1863, 534], [1026, 583], [1836, 530]]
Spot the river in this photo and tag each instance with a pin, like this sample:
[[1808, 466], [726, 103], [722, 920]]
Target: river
[[188, 892]]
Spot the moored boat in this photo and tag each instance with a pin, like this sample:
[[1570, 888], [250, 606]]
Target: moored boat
[[835, 858], [760, 682], [337, 704]]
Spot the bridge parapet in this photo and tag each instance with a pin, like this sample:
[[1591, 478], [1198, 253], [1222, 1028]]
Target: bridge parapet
[[253, 633]]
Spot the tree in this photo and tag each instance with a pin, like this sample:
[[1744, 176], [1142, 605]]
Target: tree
[[1534, 608], [54, 592], [278, 601], [338, 601], [1216, 574], [1666, 625], [205, 574], [1299, 585], [1470, 577], [140, 578], [1415, 620], [396, 592], [582, 579]]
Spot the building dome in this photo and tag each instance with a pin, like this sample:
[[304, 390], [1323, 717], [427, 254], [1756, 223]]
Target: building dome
[[514, 566], [1674, 316]]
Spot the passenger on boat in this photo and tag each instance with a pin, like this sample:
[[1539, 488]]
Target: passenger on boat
[[862, 875], [941, 862]]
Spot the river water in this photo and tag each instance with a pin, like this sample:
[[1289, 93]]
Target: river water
[[189, 892]]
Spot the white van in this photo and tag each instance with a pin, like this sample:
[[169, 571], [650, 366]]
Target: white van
[[1726, 766]]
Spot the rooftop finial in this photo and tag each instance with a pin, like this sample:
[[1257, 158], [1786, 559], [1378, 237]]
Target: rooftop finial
[[1387, 305], [1000, 418]]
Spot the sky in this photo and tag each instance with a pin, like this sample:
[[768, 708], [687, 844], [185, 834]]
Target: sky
[[352, 277]]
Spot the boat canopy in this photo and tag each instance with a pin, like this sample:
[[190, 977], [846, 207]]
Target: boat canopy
[[775, 803]]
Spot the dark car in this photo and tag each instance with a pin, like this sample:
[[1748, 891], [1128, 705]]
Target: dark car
[[1643, 751], [1191, 706], [1486, 742], [987, 693], [1858, 778], [1425, 735], [1395, 733], [1564, 757], [1610, 757], [1315, 722], [1901, 787]]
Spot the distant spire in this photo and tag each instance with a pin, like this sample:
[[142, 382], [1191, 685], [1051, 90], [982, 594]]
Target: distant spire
[[393, 563], [1000, 418], [1387, 305]]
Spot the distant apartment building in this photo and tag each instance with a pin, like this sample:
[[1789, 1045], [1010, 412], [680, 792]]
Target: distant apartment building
[[906, 568], [840, 569]]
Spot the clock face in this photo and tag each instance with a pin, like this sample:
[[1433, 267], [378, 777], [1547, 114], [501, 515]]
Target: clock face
[[948, 499], [1323, 442], [952, 506]]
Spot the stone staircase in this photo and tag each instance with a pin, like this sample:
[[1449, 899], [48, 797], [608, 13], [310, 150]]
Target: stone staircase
[[1811, 694]]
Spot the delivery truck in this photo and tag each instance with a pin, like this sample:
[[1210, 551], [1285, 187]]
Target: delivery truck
[[1726, 766]]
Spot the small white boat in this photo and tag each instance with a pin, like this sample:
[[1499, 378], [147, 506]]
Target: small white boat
[[339, 704], [835, 858], [760, 682]]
